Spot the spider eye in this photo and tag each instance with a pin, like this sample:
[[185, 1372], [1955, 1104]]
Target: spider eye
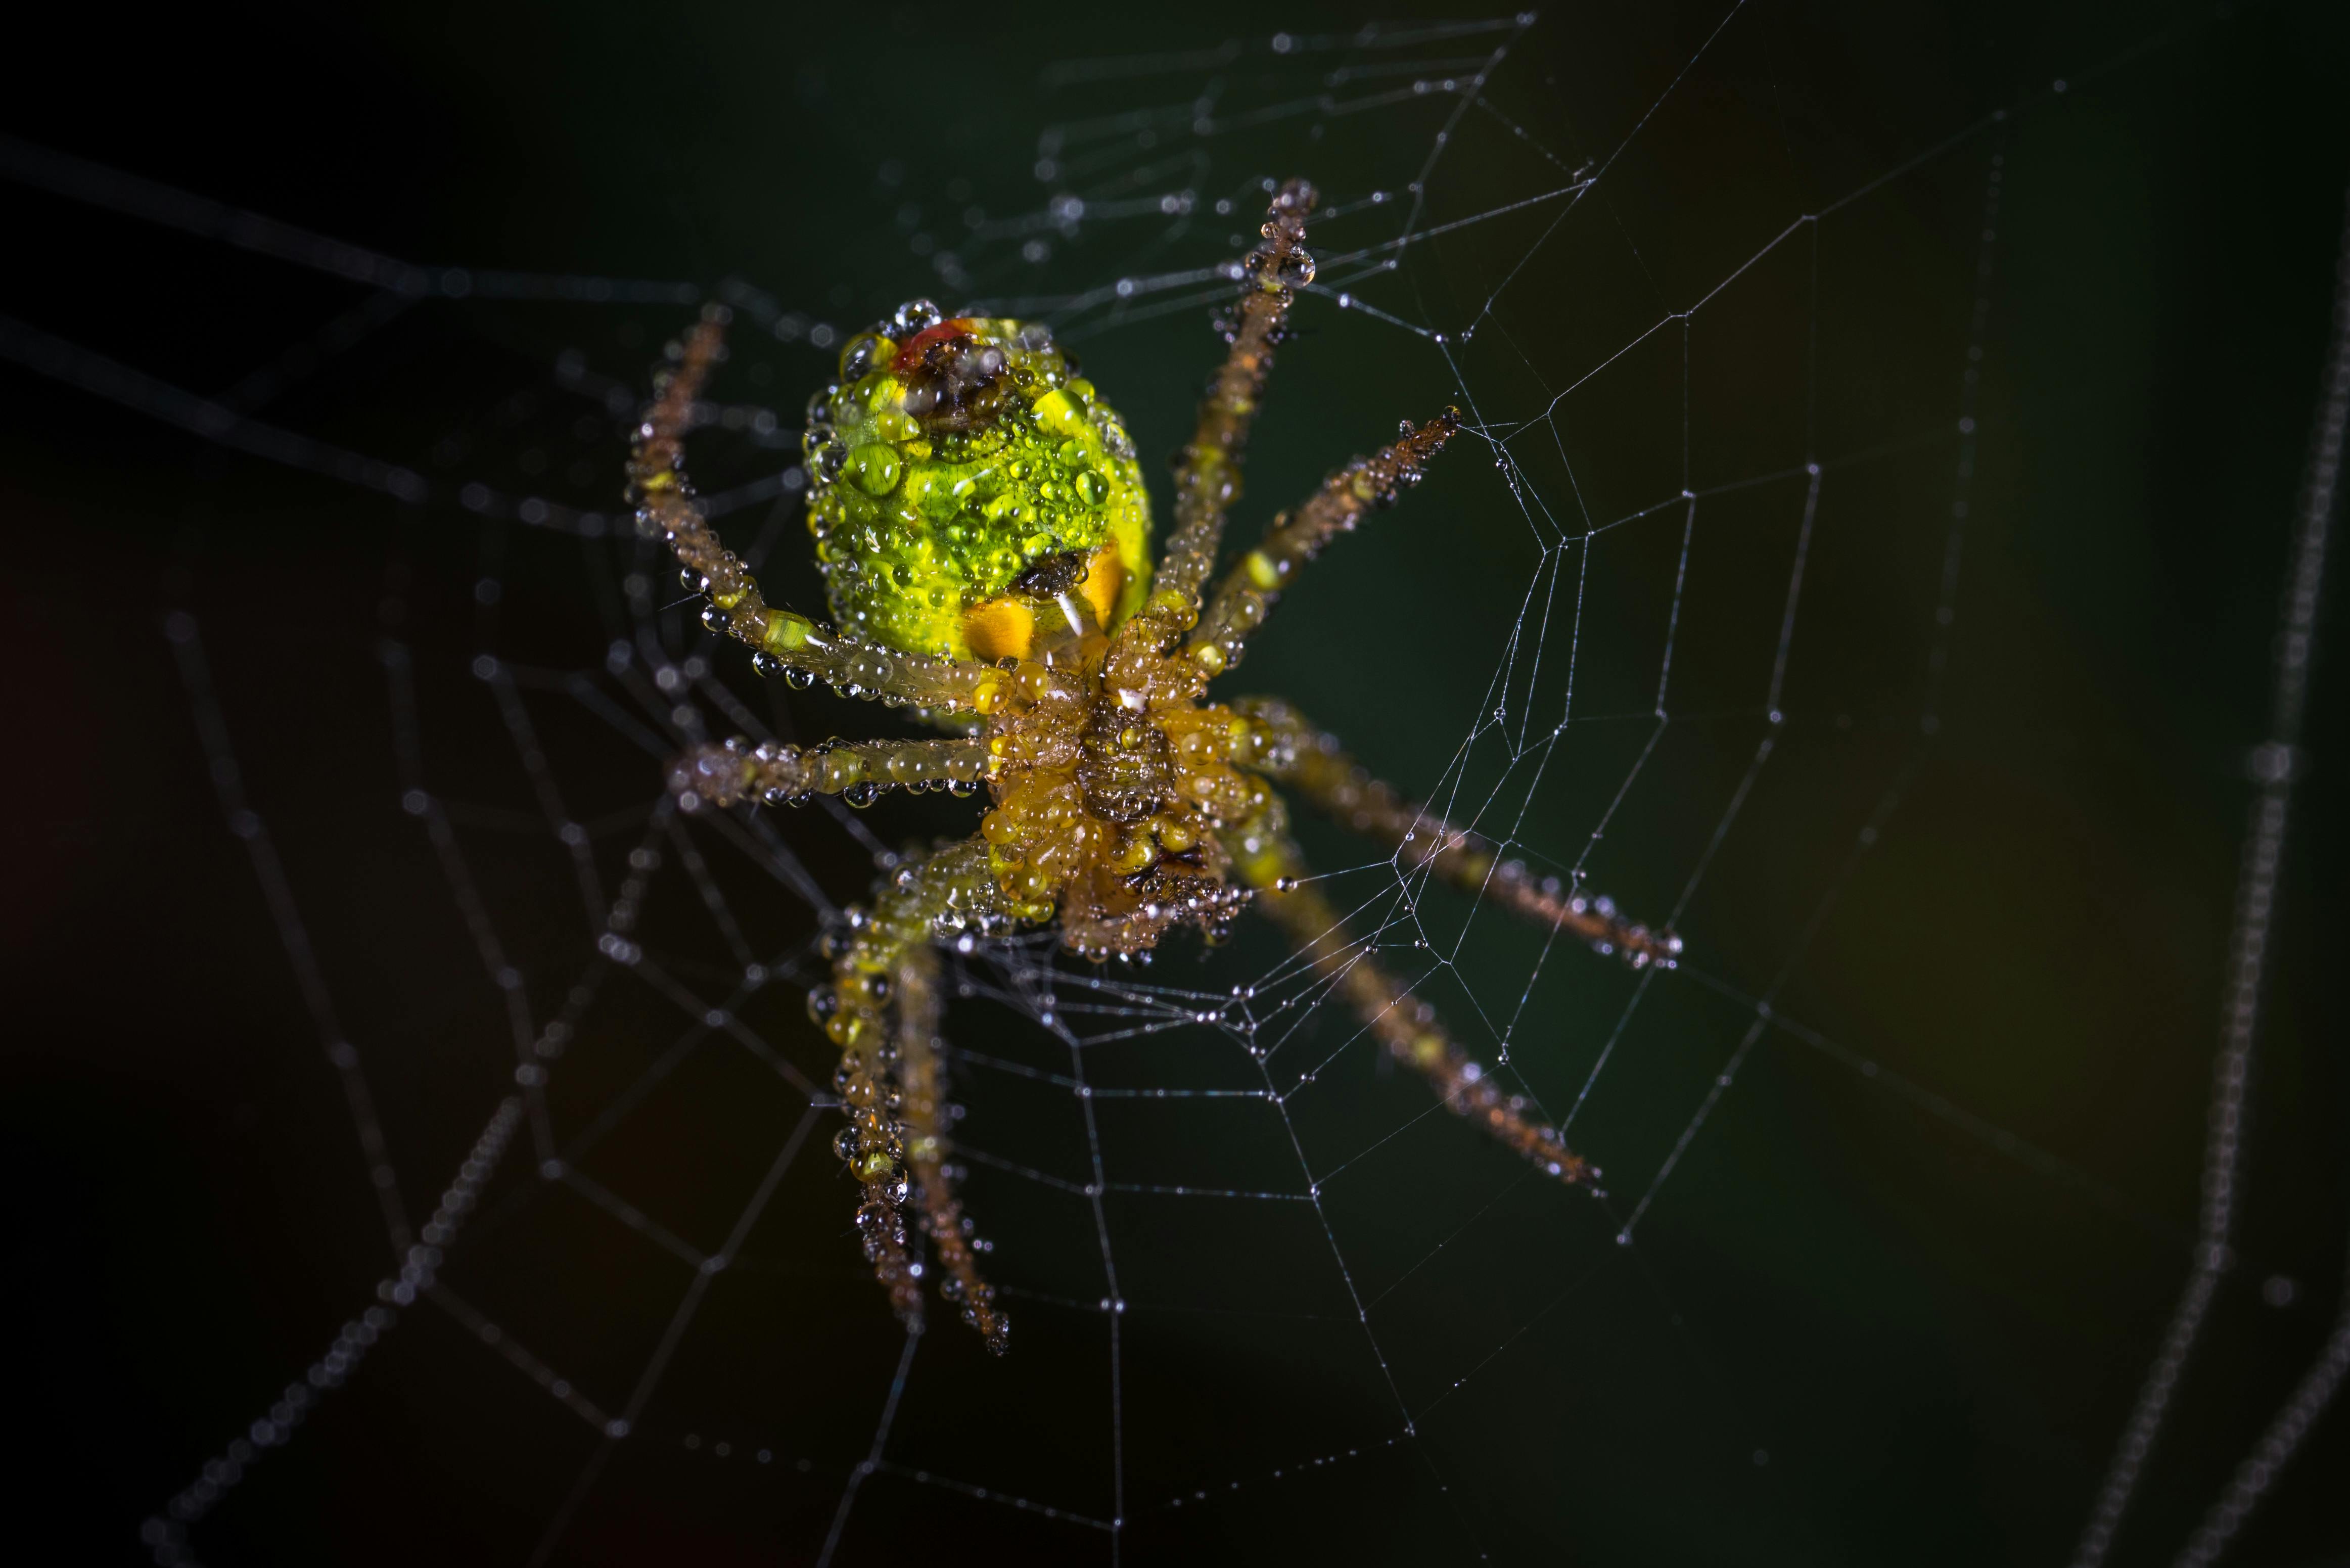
[[953, 381]]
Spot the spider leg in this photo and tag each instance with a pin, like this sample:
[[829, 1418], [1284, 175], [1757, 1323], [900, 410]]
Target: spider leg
[[1407, 1025], [921, 1080], [782, 642], [1208, 469], [1248, 591], [952, 890], [1287, 749], [781, 775]]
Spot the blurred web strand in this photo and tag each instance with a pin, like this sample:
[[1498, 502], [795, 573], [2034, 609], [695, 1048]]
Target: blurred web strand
[[166, 1535], [245, 824], [654, 711], [221, 424], [2274, 765], [80, 180]]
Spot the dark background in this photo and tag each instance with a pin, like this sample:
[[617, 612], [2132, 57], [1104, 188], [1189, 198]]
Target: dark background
[[1932, 1327]]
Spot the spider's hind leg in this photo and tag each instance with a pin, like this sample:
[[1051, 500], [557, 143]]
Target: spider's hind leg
[[1406, 1025], [922, 1087], [1287, 749], [883, 964]]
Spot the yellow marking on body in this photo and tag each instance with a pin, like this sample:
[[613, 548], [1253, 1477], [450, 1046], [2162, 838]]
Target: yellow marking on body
[[1005, 627], [1000, 629], [1104, 582]]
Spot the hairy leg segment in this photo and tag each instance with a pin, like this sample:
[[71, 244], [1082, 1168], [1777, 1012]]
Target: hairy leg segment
[[1406, 1026], [1310, 763], [1208, 472], [782, 642], [922, 1078], [775, 773], [1247, 593], [881, 963]]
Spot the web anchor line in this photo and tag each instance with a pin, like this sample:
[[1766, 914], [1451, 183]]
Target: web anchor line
[[2274, 765], [1929, 722], [657, 1364], [872, 1460]]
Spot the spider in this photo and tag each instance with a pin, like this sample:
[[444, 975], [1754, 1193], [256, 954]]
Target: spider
[[983, 532]]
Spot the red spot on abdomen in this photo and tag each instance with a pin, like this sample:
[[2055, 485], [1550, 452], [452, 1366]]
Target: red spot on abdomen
[[911, 350]]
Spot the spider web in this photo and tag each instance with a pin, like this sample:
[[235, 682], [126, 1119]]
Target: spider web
[[1683, 620]]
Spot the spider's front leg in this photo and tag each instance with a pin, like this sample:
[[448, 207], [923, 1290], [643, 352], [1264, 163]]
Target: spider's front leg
[[781, 642], [1207, 469], [1284, 747], [891, 1097], [1270, 862]]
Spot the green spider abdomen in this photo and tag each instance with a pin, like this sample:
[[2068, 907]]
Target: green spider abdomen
[[963, 479]]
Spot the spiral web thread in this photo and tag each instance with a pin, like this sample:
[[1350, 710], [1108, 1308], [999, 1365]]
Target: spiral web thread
[[1162, 182]]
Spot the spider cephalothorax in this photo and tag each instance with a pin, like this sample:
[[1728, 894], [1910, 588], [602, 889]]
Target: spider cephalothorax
[[973, 495]]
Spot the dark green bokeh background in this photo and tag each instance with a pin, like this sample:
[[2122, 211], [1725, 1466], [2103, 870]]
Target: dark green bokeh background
[[1934, 1341]]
